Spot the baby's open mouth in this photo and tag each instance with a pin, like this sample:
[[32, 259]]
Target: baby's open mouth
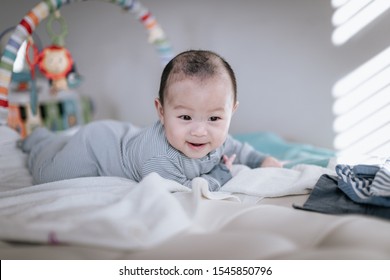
[[196, 144]]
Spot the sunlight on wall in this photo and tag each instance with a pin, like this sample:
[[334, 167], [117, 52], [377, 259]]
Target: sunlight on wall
[[362, 98], [352, 16]]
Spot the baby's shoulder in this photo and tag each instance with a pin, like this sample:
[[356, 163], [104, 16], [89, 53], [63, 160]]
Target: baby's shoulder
[[151, 141]]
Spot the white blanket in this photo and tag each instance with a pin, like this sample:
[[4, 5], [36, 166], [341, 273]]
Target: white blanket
[[101, 211], [275, 182]]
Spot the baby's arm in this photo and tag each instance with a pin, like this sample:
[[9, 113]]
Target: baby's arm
[[271, 162], [218, 176], [171, 170], [246, 154]]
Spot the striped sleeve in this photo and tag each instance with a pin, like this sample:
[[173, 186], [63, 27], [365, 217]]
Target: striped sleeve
[[381, 183], [217, 177], [166, 168], [170, 169]]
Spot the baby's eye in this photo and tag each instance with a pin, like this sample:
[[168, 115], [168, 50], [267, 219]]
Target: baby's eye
[[214, 119], [185, 117]]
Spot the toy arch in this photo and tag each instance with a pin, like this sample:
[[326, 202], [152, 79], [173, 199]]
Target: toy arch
[[41, 11]]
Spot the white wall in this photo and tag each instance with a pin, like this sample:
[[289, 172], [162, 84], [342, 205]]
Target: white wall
[[280, 50]]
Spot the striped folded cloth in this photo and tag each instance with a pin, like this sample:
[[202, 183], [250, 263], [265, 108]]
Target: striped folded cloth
[[365, 183], [381, 183]]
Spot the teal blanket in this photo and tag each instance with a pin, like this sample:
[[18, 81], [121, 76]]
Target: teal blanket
[[292, 153]]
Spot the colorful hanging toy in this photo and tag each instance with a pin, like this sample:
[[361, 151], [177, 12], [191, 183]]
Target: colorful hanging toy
[[55, 61], [47, 8]]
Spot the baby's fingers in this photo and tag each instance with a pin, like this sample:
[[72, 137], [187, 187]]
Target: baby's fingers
[[232, 158], [229, 160]]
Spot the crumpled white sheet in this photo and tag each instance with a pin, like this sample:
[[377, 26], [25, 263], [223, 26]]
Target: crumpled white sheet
[[275, 182], [100, 211]]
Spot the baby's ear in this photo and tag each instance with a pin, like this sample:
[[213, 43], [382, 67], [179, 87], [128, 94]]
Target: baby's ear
[[159, 109], [235, 106]]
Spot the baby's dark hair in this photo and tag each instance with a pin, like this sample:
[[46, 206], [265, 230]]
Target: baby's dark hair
[[201, 64]]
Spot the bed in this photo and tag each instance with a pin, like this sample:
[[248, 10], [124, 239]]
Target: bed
[[260, 214], [256, 215]]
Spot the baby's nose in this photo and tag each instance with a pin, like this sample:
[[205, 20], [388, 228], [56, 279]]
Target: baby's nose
[[198, 129]]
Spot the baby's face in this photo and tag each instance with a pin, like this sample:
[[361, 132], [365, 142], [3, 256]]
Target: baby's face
[[196, 114]]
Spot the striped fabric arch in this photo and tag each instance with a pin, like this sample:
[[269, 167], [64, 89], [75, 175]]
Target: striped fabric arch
[[41, 11]]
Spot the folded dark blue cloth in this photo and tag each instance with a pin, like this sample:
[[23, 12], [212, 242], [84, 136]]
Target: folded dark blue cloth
[[327, 197]]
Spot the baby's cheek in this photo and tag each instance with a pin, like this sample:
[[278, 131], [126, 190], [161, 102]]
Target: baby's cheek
[[220, 137]]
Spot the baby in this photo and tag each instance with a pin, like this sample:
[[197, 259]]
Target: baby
[[197, 98]]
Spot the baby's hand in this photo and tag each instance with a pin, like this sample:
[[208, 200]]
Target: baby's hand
[[228, 161], [271, 162]]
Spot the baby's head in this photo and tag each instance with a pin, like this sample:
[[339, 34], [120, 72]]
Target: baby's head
[[197, 98], [200, 64]]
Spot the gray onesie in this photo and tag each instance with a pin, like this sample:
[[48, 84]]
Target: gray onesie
[[113, 148]]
